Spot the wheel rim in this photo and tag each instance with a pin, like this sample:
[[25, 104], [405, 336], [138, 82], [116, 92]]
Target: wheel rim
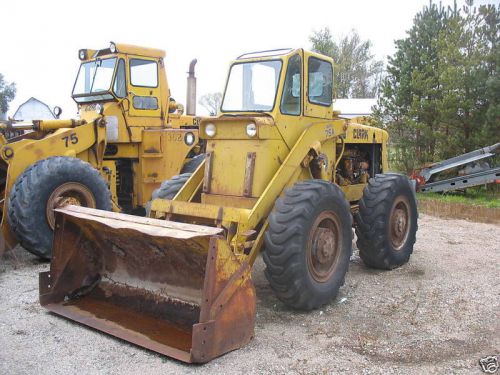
[[399, 222], [323, 247], [68, 193]]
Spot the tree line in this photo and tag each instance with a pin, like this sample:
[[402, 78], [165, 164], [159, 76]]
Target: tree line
[[439, 94]]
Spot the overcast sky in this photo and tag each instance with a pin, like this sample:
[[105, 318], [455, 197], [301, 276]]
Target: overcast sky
[[40, 39]]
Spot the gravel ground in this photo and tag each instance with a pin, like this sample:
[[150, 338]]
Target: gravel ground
[[437, 314]]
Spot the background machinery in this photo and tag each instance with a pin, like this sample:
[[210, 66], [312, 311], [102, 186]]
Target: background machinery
[[460, 172], [129, 137], [283, 174]]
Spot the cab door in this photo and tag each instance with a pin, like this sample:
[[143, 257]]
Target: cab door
[[144, 87], [319, 87]]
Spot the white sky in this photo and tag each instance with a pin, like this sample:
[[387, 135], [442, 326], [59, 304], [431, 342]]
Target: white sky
[[39, 41]]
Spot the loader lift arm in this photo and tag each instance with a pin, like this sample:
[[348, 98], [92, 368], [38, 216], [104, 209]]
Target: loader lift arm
[[249, 219]]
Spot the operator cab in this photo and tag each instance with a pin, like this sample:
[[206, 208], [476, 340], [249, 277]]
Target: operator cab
[[270, 99], [273, 81], [127, 74]]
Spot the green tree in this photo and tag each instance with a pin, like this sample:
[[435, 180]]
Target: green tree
[[490, 16], [7, 94], [440, 96], [410, 93], [357, 72], [468, 73]]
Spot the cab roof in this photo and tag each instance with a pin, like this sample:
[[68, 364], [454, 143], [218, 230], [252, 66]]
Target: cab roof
[[277, 53], [125, 49]]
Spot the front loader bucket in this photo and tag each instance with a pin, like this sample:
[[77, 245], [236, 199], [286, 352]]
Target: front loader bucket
[[170, 287]]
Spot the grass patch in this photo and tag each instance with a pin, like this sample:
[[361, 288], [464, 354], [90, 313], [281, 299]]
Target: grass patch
[[477, 196]]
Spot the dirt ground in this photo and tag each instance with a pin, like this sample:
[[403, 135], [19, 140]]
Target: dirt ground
[[437, 314]]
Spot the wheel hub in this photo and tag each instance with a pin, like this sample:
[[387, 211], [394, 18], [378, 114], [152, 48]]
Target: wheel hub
[[399, 222], [68, 193], [323, 246]]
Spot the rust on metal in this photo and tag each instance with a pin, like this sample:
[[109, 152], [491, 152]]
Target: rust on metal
[[207, 178], [399, 222], [323, 246], [141, 224], [173, 288], [72, 193], [249, 170]]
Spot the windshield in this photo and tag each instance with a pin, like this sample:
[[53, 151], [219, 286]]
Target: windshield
[[252, 86], [94, 77]]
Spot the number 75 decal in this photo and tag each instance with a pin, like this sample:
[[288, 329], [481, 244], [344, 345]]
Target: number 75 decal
[[73, 138]]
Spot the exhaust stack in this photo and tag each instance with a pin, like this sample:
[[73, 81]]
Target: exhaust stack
[[191, 90]]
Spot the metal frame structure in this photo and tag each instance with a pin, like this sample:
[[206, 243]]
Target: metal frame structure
[[492, 175]]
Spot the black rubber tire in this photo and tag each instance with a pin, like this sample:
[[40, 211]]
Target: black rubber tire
[[373, 220], [193, 164], [32, 189], [168, 189], [285, 255]]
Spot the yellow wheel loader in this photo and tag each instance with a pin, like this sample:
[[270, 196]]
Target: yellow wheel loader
[[283, 175], [129, 137]]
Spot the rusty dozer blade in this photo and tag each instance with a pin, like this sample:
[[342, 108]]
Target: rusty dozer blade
[[170, 287]]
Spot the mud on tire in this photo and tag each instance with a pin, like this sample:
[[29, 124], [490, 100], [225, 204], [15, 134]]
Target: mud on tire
[[308, 244], [386, 224], [30, 194]]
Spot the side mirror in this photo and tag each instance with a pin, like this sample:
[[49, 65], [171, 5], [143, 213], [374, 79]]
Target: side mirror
[[57, 111]]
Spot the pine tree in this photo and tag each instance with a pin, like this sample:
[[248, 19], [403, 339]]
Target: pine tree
[[411, 90], [441, 94]]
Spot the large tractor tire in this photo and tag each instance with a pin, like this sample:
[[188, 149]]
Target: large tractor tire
[[168, 189], [308, 244], [386, 224], [193, 164], [48, 184]]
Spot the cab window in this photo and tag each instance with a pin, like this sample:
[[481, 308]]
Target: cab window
[[320, 81], [143, 73], [145, 102], [119, 87], [290, 102]]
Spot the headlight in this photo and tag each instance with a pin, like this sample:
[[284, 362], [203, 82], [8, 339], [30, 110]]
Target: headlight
[[82, 54], [210, 130], [189, 138], [251, 130], [112, 47], [99, 108]]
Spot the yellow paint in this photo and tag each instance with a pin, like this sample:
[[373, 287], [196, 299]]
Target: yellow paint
[[228, 200], [285, 147], [152, 140]]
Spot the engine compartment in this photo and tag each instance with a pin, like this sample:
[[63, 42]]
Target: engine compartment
[[357, 164]]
